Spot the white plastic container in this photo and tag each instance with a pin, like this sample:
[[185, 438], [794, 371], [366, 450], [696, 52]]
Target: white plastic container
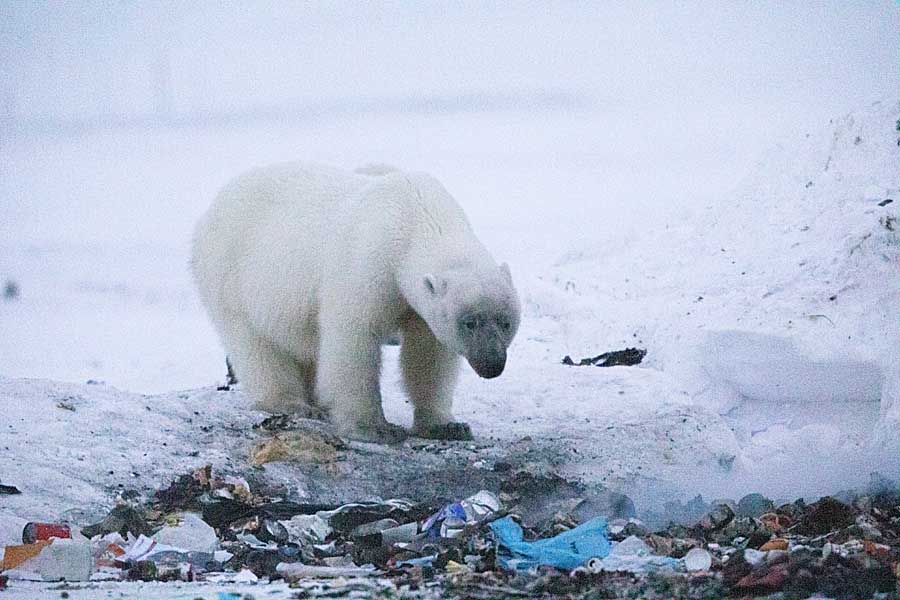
[[65, 559]]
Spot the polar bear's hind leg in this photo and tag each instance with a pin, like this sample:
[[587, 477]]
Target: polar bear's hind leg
[[278, 383]]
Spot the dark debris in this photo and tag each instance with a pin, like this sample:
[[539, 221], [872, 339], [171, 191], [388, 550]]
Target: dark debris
[[627, 357], [9, 490]]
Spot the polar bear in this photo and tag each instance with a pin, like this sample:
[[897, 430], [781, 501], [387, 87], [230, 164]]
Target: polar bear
[[306, 271]]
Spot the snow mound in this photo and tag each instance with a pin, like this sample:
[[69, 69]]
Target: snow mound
[[814, 231], [776, 305]]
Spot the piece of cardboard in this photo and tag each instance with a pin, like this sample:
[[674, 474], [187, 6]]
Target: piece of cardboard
[[13, 556]]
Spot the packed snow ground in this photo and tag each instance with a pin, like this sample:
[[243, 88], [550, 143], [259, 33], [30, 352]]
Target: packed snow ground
[[769, 312]]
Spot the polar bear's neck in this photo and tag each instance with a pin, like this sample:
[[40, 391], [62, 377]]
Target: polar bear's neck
[[435, 254], [438, 237]]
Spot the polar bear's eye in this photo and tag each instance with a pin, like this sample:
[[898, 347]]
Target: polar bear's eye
[[505, 325], [471, 324]]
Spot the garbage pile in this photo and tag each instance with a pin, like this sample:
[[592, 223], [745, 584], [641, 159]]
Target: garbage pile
[[209, 528]]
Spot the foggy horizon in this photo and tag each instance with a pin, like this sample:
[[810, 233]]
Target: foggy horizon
[[104, 63]]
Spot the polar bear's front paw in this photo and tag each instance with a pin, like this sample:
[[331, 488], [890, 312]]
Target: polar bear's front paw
[[455, 430], [382, 433]]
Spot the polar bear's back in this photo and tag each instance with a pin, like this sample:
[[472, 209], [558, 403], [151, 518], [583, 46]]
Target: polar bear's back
[[280, 192], [265, 228]]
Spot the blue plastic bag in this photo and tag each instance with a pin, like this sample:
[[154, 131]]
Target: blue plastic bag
[[567, 550]]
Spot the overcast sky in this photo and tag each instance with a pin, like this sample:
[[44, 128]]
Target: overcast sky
[[77, 59]]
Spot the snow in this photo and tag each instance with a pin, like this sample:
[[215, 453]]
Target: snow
[[79, 459], [769, 312], [171, 590], [608, 155], [775, 306]]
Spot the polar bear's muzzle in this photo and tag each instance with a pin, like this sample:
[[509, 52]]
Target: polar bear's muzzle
[[488, 364]]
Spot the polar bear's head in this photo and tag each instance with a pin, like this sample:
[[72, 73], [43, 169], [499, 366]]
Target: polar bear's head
[[475, 314]]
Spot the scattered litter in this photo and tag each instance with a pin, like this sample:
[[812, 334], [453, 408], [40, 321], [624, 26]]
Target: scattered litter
[[308, 446], [627, 357], [446, 523], [775, 544], [452, 518], [307, 529], [567, 550], [234, 488], [254, 542], [697, 559], [400, 534], [295, 571], [205, 527], [825, 515], [245, 576], [717, 518], [422, 561], [344, 518], [480, 506], [191, 535], [33, 532], [64, 560], [634, 556], [16, 556], [143, 548], [366, 530], [242, 576], [122, 519], [754, 557], [49, 560]]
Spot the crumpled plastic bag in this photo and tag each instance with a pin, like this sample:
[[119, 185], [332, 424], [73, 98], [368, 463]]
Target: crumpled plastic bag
[[307, 529], [567, 550], [191, 535], [633, 555]]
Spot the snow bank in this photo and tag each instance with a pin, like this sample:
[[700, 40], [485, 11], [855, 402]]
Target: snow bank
[[776, 305]]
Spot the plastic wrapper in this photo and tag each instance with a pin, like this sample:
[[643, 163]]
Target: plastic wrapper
[[567, 550]]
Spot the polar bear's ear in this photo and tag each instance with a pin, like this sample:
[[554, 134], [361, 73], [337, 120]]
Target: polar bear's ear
[[504, 268], [435, 285]]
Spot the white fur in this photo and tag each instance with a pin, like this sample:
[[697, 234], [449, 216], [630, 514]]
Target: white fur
[[306, 271]]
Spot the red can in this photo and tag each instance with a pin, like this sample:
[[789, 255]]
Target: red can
[[34, 532]]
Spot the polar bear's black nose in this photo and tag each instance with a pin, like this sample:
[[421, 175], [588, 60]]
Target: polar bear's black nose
[[494, 369], [489, 365]]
